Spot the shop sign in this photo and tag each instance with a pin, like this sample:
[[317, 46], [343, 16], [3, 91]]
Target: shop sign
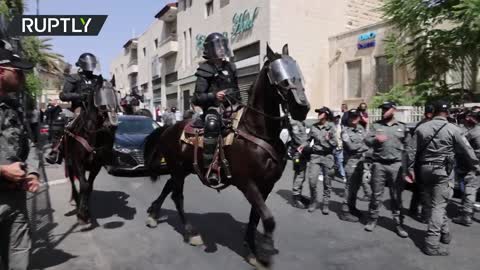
[[366, 40], [243, 22]]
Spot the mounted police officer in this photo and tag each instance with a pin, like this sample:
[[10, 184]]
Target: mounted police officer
[[435, 145], [388, 138], [15, 176], [76, 90], [216, 85]]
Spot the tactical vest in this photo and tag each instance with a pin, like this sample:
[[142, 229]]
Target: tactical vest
[[13, 135]]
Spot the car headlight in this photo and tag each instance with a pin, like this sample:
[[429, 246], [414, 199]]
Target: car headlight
[[122, 149]]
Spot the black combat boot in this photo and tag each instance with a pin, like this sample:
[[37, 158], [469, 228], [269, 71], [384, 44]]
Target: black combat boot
[[56, 154], [399, 228], [446, 238], [465, 219], [371, 225], [437, 251], [209, 147], [313, 202], [297, 202], [325, 209]]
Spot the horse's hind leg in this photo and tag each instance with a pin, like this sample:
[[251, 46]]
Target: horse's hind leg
[[190, 235], [156, 206], [257, 200], [74, 196]]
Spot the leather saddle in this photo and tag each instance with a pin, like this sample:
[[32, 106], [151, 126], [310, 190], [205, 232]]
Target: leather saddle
[[193, 131]]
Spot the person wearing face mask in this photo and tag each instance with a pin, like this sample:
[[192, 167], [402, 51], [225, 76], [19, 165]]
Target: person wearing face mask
[[471, 180], [16, 177], [323, 135], [388, 138]]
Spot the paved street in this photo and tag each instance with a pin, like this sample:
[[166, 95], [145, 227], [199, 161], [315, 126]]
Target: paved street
[[305, 241]]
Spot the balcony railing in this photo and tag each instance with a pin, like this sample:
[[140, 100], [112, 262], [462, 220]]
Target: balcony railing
[[171, 37], [133, 62]]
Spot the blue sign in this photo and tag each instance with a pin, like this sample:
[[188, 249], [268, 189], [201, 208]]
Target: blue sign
[[366, 45], [366, 40], [367, 36]]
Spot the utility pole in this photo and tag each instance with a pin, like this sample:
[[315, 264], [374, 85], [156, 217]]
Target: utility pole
[[38, 7]]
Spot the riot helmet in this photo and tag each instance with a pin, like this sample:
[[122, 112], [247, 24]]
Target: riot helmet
[[87, 62], [216, 47]]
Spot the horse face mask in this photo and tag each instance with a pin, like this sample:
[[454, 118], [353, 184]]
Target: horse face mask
[[285, 74], [105, 99]]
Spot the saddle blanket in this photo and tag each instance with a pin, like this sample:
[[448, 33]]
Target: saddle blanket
[[189, 132]]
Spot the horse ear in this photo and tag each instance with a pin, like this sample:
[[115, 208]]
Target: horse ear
[[270, 53], [285, 50]]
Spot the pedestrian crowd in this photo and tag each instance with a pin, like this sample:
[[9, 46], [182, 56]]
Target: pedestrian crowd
[[441, 149]]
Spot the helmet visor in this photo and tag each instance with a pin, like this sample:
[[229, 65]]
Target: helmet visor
[[218, 49]]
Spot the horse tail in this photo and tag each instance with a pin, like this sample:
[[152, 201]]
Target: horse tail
[[152, 153]]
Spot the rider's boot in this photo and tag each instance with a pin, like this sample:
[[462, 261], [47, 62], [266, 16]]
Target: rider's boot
[[210, 145], [56, 154]]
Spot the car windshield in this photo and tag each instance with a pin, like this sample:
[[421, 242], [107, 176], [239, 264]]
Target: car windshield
[[136, 126]]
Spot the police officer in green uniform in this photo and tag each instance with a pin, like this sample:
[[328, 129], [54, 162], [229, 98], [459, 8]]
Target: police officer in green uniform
[[298, 136], [472, 181], [15, 176], [324, 143], [417, 209], [388, 138], [436, 144], [354, 149]]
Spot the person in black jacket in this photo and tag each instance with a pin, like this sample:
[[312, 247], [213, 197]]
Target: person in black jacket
[[76, 90], [216, 85]]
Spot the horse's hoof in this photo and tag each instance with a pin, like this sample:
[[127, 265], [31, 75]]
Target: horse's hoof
[[252, 260], [261, 266], [151, 222], [196, 240]]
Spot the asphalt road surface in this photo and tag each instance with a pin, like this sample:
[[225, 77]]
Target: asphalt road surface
[[305, 241]]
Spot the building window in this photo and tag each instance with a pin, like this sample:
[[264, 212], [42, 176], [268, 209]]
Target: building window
[[184, 60], [171, 78], [182, 5], [383, 74], [223, 3], [186, 100], [209, 8], [190, 46], [144, 51], [354, 79], [156, 43]]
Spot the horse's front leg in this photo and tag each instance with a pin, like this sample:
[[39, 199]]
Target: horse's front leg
[[154, 209], [190, 235], [86, 188], [257, 200]]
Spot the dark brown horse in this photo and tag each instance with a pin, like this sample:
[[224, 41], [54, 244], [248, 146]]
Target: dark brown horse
[[256, 157], [88, 145]]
